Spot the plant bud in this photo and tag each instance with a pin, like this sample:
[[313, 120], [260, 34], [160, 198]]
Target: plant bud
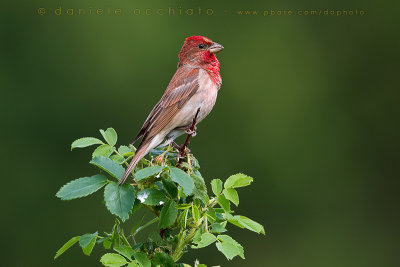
[[159, 159]]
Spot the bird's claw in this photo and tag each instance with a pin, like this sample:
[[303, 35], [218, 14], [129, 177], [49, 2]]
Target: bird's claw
[[191, 131]]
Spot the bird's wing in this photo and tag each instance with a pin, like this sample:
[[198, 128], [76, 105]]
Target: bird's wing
[[182, 87]]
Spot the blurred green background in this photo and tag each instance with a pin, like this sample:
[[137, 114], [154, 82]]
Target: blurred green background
[[308, 107]]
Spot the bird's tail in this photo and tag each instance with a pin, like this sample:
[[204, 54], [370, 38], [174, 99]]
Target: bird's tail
[[140, 153]]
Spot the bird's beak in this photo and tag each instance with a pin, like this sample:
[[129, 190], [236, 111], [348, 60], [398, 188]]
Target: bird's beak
[[215, 48]]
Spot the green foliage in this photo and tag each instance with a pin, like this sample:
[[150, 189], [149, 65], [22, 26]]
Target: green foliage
[[238, 180], [119, 199], [183, 179], [85, 142], [232, 195], [152, 197], [113, 260], [82, 187], [66, 246], [168, 214], [124, 250], [147, 172], [218, 227], [87, 242], [182, 211], [124, 150], [110, 135], [229, 247], [162, 259], [109, 166], [224, 203], [103, 150], [216, 186], [244, 222], [205, 240], [142, 259]]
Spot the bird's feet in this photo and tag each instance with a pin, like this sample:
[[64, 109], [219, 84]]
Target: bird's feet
[[191, 131]]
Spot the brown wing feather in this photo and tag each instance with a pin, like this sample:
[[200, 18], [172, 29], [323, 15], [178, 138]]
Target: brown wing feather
[[182, 87]]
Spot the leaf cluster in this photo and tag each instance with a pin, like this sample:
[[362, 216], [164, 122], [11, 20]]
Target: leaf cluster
[[183, 212]]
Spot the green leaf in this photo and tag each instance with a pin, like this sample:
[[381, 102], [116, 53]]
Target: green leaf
[[200, 189], [228, 249], [81, 187], [124, 149], [183, 179], [216, 186], [119, 199], [136, 206], [183, 218], [85, 142], [103, 150], [147, 172], [168, 214], [133, 264], [195, 213], [117, 158], [124, 251], [138, 246], [230, 240], [142, 259], [152, 197], [206, 239], [110, 166], [219, 210], [224, 203], [217, 228], [232, 195], [198, 264], [211, 215], [163, 259], [87, 243], [155, 237], [113, 260], [251, 225], [85, 239], [184, 206], [197, 236], [110, 135], [170, 187], [107, 244], [66, 246], [238, 180], [244, 222]]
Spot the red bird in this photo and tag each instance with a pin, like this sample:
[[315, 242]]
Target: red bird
[[194, 87]]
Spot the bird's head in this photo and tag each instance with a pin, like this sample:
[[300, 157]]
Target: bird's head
[[199, 50]]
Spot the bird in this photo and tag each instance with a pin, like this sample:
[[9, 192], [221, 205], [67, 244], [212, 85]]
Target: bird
[[190, 96]]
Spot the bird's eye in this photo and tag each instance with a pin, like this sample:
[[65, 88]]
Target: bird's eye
[[201, 46]]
